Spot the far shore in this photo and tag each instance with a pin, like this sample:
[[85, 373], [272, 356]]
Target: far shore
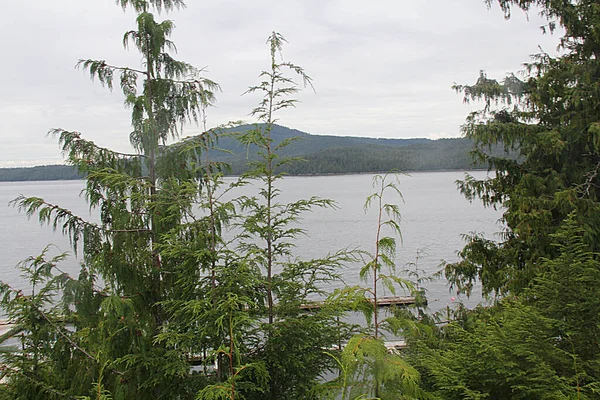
[[287, 175]]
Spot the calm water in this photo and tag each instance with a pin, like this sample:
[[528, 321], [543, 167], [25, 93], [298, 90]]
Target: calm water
[[434, 216]]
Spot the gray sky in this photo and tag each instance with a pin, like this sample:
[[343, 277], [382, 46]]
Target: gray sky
[[381, 68]]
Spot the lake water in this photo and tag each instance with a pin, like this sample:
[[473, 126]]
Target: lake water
[[434, 216]]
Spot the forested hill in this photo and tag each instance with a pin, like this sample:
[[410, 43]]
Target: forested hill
[[39, 173], [309, 144], [321, 154], [326, 154]]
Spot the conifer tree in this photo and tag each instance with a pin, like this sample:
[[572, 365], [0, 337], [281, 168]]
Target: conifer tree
[[539, 345], [292, 340], [113, 312], [385, 246], [159, 289], [366, 366], [539, 340], [550, 118]]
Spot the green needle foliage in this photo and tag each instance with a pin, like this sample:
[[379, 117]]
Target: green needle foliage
[[271, 221], [367, 369], [542, 345], [379, 269], [539, 340], [117, 307], [292, 340], [568, 292], [550, 118], [388, 217], [503, 353]]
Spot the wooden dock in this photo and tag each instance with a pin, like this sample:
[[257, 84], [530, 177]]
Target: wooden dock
[[387, 301], [395, 346]]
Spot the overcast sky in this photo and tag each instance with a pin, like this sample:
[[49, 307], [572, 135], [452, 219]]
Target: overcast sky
[[380, 68]]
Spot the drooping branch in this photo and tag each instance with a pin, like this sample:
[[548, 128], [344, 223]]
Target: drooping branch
[[508, 91], [78, 150], [58, 329], [72, 225], [143, 5]]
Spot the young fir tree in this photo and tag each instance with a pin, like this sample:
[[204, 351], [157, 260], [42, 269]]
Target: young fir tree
[[217, 312], [385, 246], [290, 341], [367, 369]]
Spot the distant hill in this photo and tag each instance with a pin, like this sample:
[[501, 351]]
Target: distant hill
[[39, 173], [325, 154], [322, 154], [309, 144]]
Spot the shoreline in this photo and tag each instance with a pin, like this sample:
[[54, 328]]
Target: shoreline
[[323, 174]]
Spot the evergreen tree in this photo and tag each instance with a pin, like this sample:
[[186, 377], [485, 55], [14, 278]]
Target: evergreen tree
[[104, 340], [159, 290], [505, 352], [367, 368], [540, 345], [550, 118], [293, 340], [568, 293], [539, 340]]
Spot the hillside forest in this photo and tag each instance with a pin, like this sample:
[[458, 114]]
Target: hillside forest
[[165, 306], [316, 154]]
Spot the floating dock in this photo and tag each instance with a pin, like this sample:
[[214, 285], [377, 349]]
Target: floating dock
[[386, 301]]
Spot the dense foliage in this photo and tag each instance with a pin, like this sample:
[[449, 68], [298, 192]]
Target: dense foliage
[[551, 119], [168, 306], [539, 340]]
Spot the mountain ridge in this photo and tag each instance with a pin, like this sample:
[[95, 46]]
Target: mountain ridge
[[323, 154]]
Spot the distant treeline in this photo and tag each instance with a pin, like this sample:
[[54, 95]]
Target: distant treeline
[[320, 154], [39, 173], [446, 154]]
